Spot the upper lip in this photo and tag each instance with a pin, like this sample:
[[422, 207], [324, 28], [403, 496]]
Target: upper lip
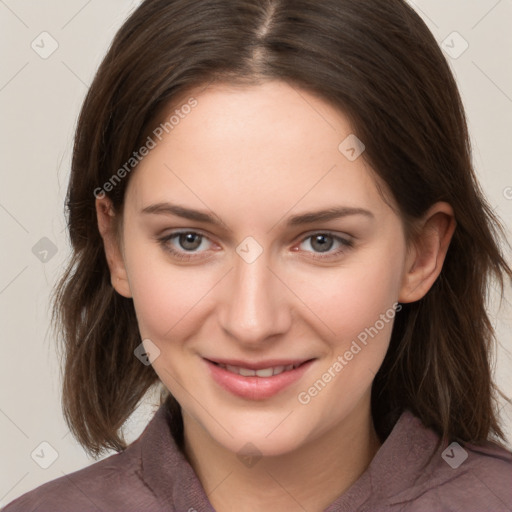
[[258, 365]]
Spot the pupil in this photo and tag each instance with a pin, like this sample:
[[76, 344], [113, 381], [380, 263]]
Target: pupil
[[187, 241], [324, 246]]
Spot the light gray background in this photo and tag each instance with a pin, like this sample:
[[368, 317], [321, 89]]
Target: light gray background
[[39, 103]]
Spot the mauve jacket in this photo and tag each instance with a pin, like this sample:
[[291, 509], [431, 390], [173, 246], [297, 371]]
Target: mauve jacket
[[152, 475]]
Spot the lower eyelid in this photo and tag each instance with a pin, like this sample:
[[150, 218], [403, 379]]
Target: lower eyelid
[[345, 243]]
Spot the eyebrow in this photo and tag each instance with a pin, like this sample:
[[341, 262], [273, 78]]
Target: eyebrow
[[296, 220]]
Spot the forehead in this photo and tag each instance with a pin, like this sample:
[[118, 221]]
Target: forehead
[[266, 148]]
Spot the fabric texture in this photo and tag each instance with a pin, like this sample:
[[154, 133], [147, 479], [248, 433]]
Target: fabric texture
[[407, 474]]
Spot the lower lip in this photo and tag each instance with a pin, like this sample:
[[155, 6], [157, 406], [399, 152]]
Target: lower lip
[[255, 388]]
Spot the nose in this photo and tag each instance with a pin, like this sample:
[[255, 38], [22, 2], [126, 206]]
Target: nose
[[257, 306]]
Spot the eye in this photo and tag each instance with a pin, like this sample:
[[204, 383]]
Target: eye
[[184, 245], [323, 243]]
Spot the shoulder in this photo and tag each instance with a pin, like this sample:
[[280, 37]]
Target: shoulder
[[413, 472], [110, 484], [463, 476], [474, 477]]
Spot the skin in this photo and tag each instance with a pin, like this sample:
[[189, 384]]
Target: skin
[[253, 157]]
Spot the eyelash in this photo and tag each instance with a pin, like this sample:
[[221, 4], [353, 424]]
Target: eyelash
[[164, 242]]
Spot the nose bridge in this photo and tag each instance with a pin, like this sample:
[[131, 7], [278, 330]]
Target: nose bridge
[[256, 307]]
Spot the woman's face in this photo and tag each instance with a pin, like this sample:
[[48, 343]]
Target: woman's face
[[254, 241]]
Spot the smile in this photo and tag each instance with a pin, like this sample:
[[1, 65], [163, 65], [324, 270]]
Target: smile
[[264, 372], [256, 381]]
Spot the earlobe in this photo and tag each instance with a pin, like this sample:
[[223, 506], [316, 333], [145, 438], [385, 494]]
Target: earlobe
[[425, 259], [107, 226]]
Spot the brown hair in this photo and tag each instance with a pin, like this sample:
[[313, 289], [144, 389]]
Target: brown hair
[[378, 63]]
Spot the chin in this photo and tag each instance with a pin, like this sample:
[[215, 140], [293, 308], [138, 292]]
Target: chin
[[260, 435], [246, 444]]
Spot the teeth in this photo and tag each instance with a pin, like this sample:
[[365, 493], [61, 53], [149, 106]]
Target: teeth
[[278, 370], [264, 372]]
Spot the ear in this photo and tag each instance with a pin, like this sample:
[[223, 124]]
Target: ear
[[107, 225], [427, 252]]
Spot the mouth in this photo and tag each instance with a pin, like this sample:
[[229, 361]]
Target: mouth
[[257, 381], [269, 371]]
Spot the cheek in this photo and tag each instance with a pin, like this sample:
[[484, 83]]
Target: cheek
[[352, 297], [169, 298], [357, 304], [164, 295]]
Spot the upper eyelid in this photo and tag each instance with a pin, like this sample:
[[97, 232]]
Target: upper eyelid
[[302, 238]]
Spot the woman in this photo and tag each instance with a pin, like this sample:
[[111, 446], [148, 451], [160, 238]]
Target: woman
[[273, 214]]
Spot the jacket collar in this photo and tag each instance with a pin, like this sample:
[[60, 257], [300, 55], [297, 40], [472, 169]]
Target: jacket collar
[[166, 471], [390, 476]]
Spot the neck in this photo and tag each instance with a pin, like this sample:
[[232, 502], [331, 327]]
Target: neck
[[309, 478]]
